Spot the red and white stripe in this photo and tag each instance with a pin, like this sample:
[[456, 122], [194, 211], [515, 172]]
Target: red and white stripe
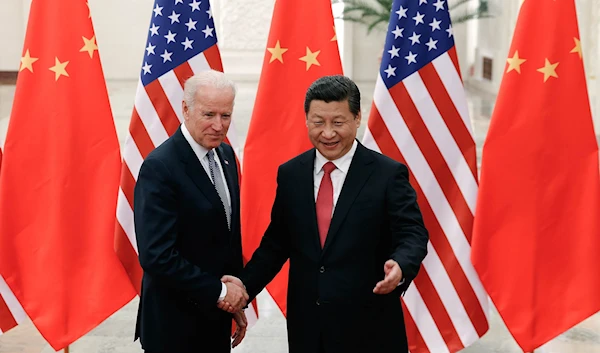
[[423, 122]]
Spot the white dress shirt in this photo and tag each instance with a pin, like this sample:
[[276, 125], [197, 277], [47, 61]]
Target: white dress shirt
[[338, 176], [202, 155]]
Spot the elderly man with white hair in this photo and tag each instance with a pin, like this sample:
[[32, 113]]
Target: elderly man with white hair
[[187, 223]]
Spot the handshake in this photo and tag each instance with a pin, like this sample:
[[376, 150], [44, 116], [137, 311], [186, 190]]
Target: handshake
[[234, 302], [236, 298]]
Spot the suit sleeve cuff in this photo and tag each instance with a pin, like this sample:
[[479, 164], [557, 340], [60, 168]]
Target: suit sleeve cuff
[[223, 292]]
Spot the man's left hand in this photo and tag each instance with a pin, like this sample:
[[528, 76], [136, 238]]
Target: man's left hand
[[393, 276], [241, 324]]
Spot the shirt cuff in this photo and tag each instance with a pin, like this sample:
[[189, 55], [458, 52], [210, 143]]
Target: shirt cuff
[[223, 292], [401, 282]]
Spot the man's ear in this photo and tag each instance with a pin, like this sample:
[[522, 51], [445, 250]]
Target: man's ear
[[185, 110]]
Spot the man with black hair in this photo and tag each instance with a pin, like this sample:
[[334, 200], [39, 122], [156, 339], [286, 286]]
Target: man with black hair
[[347, 219]]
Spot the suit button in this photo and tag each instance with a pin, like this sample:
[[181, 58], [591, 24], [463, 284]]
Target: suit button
[[318, 302], [322, 269]]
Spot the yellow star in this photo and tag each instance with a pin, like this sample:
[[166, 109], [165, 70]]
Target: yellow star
[[277, 53], [59, 68], [515, 62], [311, 58], [577, 48], [334, 35], [89, 46], [27, 62], [549, 70]]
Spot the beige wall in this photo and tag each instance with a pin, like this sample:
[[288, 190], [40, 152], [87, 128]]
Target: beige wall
[[12, 29], [121, 29]]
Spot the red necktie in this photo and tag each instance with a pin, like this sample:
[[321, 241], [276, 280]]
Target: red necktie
[[324, 204]]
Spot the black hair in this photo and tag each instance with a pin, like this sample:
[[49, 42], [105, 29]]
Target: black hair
[[336, 88]]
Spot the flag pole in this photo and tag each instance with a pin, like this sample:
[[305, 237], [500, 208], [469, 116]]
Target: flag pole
[[66, 350]]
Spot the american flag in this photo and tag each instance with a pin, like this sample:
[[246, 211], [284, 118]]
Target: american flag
[[420, 117], [11, 311], [181, 41]]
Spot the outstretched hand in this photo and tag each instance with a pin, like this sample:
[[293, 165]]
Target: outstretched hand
[[393, 276]]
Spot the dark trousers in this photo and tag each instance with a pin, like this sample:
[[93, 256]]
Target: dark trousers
[[321, 346]]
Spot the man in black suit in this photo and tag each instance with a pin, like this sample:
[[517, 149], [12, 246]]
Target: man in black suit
[[347, 219], [187, 223]]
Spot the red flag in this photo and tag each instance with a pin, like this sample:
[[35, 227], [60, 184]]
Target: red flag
[[60, 178], [537, 231], [302, 47], [11, 312]]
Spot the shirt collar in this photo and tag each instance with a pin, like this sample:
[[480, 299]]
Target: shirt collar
[[342, 163], [198, 149]]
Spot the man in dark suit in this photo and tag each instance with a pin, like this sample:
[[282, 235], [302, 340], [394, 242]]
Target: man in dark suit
[[187, 223], [347, 219]]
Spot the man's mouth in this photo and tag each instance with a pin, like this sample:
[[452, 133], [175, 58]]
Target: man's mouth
[[330, 144]]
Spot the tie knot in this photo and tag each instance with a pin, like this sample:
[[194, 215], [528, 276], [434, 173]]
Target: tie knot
[[329, 167], [211, 154]]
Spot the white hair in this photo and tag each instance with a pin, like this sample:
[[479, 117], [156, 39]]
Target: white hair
[[206, 79]]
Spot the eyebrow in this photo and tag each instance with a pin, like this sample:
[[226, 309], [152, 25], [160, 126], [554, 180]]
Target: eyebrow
[[320, 117], [213, 112]]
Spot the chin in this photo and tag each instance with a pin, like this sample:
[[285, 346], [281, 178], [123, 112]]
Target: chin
[[215, 142], [330, 155]]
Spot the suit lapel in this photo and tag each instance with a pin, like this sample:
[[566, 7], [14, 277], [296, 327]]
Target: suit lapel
[[198, 175], [196, 172], [360, 169], [306, 192]]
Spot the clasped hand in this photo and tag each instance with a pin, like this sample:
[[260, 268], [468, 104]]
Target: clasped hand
[[236, 297], [234, 302]]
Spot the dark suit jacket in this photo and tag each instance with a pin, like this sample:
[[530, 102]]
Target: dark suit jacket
[[330, 290], [184, 248]]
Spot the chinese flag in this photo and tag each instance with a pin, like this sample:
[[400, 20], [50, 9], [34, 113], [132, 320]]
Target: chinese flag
[[59, 180], [536, 235], [7, 320], [302, 47]]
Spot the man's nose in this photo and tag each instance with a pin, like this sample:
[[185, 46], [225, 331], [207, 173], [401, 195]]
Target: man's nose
[[218, 123], [328, 132]]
